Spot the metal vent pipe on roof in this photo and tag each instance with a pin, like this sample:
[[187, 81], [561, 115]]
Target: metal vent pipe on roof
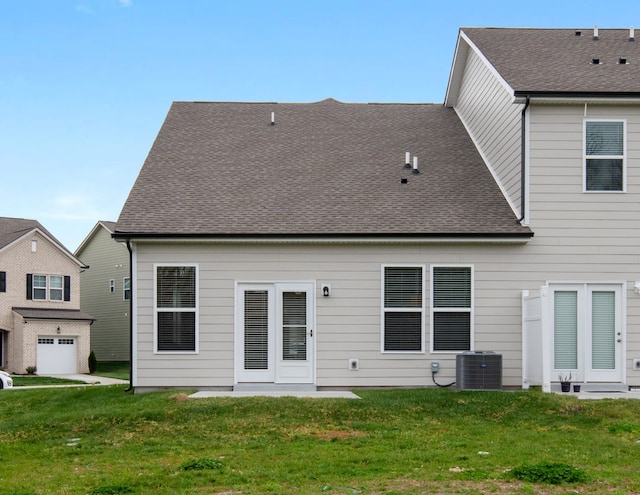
[[595, 33], [415, 166], [407, 160], [632, 34], [273, 118]]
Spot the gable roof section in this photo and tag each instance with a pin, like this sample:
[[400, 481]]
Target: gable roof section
[[324, 169], [539, 62], [13, 229], [101, 224]]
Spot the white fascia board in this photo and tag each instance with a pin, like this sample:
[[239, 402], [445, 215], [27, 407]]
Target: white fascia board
[[407, 240]]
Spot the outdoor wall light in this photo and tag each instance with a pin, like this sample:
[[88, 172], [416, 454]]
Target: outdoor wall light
[[326, 289]]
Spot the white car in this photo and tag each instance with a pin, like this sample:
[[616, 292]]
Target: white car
[[5, 380]]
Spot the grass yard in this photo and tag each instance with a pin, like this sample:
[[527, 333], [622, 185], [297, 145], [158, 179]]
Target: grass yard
[[102, 441]]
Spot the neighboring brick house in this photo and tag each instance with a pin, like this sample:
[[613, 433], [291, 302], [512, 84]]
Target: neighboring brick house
[[106, 292], [41, 324], [333, 244]]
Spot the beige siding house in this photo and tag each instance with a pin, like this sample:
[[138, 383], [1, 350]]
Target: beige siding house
[[333, 245], [41, 324], [106, 292]]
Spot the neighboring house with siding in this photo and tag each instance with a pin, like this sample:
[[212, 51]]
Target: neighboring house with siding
[[352, 245], [41, 324], [106, 291]]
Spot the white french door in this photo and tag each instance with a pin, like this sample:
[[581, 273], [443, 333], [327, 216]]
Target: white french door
[[588, 331], [274, 333]]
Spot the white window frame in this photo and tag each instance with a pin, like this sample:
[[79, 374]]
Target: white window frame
[[622, 157], [195, 309], [126, 287], [470, 310], [35, 287], [112, 286], [421, 309], [56, 289]]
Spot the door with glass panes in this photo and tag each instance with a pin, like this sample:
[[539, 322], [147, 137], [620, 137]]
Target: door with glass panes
[[588, 331], [274, 333]]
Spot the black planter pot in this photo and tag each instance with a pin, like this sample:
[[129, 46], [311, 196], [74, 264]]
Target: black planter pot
[[565, 386]]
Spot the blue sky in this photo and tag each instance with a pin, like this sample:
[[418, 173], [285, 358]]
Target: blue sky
[[86, 84]]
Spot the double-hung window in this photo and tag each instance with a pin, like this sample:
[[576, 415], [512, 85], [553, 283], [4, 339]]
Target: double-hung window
[[451, 308], [176, 308], [55, 288], [604, 154], [126, 288], [40, 287], [403, 309], [48, 287]]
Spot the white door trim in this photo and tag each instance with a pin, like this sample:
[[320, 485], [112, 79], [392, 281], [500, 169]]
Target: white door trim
[[584, 371], [278, 369]]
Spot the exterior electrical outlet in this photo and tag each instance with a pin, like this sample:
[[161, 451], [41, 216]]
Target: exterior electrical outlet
[[435, 367], [354, 364]]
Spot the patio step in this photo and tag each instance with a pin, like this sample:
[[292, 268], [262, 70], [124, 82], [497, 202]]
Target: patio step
[[274, 387], [594, 388]]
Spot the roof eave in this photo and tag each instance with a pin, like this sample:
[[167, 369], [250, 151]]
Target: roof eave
[[577, 96], [310, 238]]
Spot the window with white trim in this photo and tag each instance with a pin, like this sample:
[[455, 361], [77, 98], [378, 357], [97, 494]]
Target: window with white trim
[[112, 286], [55, 288], [39, 287], [176, 308], [403, 309], [451, 308], [604, 153], [126, 288], [48, 287]]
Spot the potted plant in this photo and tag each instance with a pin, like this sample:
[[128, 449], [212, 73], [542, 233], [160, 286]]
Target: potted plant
[[565, 382]]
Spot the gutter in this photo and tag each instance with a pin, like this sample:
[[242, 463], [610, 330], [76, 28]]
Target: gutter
[[130, 387], [596, 95], [311, 237], [523, 159]]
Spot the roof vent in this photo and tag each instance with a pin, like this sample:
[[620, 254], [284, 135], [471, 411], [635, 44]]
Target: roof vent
[[595, 33], [404, 180], [407, 160], [622, 61], [273, 118], [595, 61], [578, 33], [415, 166], [632, 34]]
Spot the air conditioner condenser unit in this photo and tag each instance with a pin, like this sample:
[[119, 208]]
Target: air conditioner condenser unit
[[479, 370]]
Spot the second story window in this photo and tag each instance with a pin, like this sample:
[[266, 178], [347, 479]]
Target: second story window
[[112, 286], [40, 287], [126, 287], [55, 288], [604, 149], [48, 287]]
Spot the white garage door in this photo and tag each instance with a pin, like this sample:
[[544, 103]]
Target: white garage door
[[56, 355]]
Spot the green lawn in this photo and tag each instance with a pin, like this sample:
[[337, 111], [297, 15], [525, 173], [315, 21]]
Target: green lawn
[[35, 380], [111, 369], [103, 441]]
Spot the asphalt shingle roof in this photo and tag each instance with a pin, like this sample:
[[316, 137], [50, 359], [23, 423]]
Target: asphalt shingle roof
[[53, 314], [12, 229], [325, 168], [560, 60]]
